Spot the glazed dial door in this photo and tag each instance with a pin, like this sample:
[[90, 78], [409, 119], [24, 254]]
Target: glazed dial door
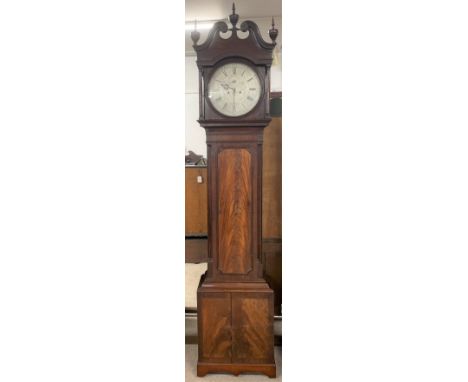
[[234, 89]]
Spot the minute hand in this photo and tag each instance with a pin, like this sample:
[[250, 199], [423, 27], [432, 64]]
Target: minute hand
[[234, 98]]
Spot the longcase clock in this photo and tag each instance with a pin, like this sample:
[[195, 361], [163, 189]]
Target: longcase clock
[[235, 303]]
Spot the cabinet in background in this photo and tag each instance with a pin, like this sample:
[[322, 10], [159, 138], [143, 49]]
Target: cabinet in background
[[196, 210], [196, 214]]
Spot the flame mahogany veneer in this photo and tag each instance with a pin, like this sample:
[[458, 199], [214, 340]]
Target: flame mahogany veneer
[[235, 303]]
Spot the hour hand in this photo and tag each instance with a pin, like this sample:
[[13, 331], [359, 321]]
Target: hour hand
[[223, 84]]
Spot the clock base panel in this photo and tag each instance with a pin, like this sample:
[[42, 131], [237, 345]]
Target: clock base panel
[[235, 328], [204, 368]]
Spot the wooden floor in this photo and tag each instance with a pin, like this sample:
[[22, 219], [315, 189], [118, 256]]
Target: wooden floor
[[191, 352]]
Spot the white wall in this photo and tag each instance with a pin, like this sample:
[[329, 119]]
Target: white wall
[[195, 139], [194, 133]]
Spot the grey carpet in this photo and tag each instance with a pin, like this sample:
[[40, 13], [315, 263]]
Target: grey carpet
[[193, 273]]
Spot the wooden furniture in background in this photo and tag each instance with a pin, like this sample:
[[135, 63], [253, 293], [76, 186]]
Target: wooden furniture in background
[[196, 214], [196, 210], [272, 207], [271, 227], [196, 250]]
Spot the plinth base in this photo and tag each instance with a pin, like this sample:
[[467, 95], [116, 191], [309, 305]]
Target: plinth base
[[203, 368], [235, 328]]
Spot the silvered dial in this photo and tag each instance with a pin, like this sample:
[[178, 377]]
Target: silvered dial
[[234, 89]]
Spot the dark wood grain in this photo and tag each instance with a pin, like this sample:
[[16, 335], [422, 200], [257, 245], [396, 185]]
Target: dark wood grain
[[234, 211], [245, 310], [238, 143], [249, 307], [235, 266], [214, 327], [252, 320]]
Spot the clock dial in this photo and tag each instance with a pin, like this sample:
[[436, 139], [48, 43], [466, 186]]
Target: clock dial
[[234, 89]]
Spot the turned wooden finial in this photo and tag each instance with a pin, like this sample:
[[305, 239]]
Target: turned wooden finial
[[273, 32], [195, 35], [234, 17]]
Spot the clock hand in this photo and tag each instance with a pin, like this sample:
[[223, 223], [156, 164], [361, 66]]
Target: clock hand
[[226, 87]]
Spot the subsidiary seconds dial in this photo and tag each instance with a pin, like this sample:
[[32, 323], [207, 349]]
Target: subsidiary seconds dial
[[234, 89]]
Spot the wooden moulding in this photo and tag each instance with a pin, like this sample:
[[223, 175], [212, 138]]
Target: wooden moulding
[[203, 368]]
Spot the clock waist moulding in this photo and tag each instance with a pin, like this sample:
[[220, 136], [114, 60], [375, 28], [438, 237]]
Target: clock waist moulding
[[235, 303]]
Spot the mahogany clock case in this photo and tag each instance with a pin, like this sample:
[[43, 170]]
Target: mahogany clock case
[[235, 303], [235, 329], [217, 50]]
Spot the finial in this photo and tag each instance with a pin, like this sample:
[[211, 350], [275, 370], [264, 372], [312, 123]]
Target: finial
[[234, 18], [195, 35], [273, 32]]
